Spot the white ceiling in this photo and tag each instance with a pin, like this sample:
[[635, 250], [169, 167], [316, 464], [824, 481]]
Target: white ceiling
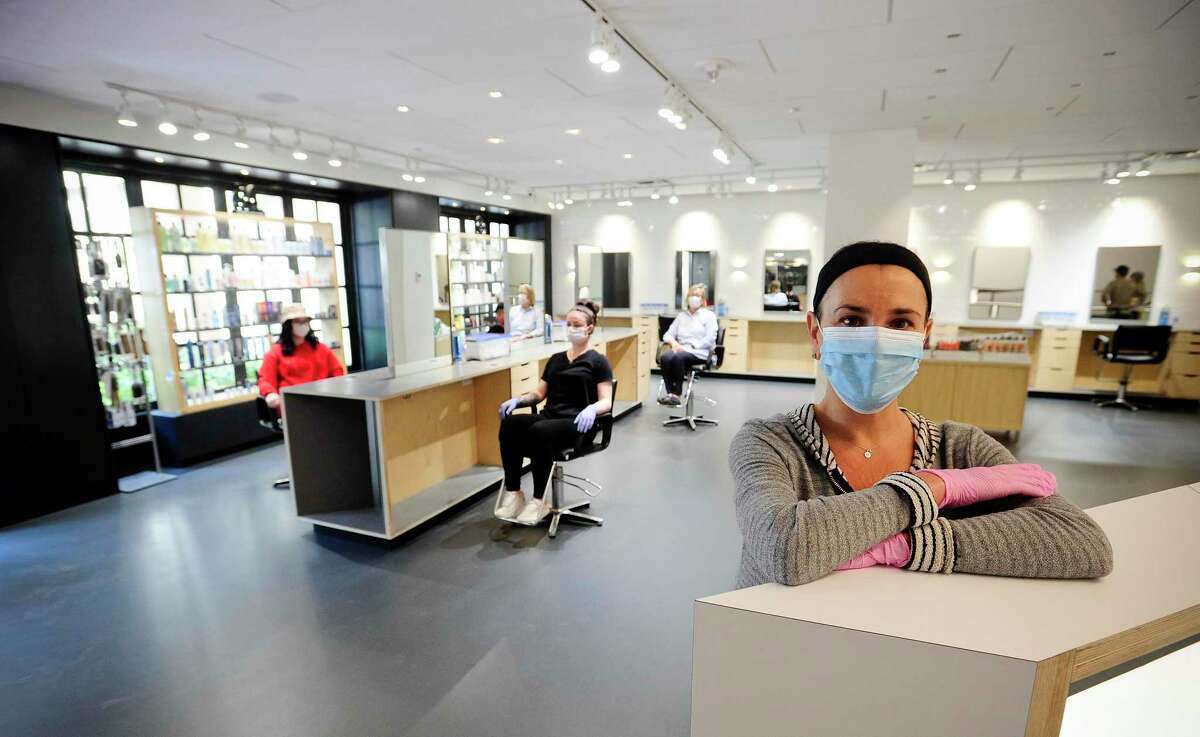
[[840, 64]]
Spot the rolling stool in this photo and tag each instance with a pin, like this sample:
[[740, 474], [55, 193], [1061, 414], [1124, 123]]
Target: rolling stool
[[585, 445], [268, 418], [1132, 345], [715, 359]]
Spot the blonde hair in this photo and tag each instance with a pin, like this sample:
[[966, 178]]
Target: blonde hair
[[528, 290], [773, 286], [702, 288]]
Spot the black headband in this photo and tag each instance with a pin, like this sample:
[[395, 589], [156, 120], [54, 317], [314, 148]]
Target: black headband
[[866, 253]]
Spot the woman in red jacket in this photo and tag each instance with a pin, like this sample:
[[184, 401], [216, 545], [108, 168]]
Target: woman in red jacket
[[297, 358]]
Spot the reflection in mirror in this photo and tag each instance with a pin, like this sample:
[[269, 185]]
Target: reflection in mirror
[[785, 281], [998, 283], [695, 267], [416, 323], [602, 277], [1123, 288]]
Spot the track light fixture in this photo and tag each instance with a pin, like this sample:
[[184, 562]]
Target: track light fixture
[[949, 177], [1123, 170], [200, 134], [165, 126], [603, 51], [723, 151], [125, 114], [1143, 169], [299, 154]]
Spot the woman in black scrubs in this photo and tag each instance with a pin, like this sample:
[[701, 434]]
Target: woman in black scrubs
[[577, 386]]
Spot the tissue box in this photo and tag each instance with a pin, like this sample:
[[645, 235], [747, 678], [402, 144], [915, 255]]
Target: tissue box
[[486, 346]]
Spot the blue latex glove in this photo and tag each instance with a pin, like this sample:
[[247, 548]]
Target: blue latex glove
[[585, 419], [508, 405]]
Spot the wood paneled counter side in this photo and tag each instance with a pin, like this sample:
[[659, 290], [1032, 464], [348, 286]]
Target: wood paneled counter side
[[379, 452], [1002, 652]]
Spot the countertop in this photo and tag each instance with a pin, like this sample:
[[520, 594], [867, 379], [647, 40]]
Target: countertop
[[1156, 573], [977, 357], [379, 384]]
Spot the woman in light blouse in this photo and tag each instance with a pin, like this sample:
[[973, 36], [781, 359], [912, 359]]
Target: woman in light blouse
[[524, 321]]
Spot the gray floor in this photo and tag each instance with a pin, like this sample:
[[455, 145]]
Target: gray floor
[[203, 607]]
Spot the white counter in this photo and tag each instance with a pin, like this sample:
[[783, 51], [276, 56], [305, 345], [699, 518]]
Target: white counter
[[379, 384]]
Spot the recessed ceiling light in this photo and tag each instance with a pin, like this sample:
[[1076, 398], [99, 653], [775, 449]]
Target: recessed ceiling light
[[506, 196], [751, 179], [406, 177], [625, 203], [241, 144], [494, 94], [482, 209], [201, 136], [772, 187], [402, 108], [673, 200], [572, 131], [299, 155], [568, 201], [1109, 53], [158, 159], [244, 172], [313, 182], [627, 156], [335, 163], [495, 139], [127, 120], [558, 161], [167, 128], [419, 179], [969, 187]]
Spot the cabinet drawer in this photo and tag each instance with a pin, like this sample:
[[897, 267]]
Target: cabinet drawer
[[1058, 356], [524, 377], [738, 344], [735, 362], [1054, 379], [1184, 386], [1184, 362], [1062, 333]]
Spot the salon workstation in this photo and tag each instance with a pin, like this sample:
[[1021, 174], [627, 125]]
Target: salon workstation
[[561, 368]]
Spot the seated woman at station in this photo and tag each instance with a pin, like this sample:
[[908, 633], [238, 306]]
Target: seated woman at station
[[855, 480], [523, 319], [577, 386], [774, 297], [296, 358], [689, 340]]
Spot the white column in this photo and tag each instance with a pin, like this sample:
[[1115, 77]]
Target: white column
[[870, 187]]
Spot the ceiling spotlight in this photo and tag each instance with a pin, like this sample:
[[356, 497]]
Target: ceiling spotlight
[[572, 131], [158, 159], [1143, 170], [625, 203], [949, 178], [201, 136], [627, 156], [488, 192], [402, 108], [167, 128], [772, 187], [124, 114], [406, 177], [313, 182], [1112, 180], [723, 150], [1123, 171], [655, 195], [612, 64], [506, 196], [419, 179], [569, 201], [680, 125], [750, 178], [495, 94], [495, 139], [673, 200], [244, 172], [598, 52], [241, 144], [299, 155], [969, 187], [335, 163]]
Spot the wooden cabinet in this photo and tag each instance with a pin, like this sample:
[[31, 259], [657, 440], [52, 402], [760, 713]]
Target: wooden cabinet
[[737, 342], [988, 392], [1183, 366], [647, 350], [1056, 360]]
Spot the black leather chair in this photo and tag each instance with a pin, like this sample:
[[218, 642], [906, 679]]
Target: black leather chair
[[1132, 345], [716, 357], [585, 445], [271, 420]]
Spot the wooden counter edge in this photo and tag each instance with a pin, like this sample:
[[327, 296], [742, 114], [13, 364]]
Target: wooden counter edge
[[1054, 676]]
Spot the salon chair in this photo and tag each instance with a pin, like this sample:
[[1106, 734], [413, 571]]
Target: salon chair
[[585, 445], [1132, 345], [273, 421], [716, 357]]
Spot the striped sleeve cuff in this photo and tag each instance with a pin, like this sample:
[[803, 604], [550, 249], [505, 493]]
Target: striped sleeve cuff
[[932, 547], [920, 498]]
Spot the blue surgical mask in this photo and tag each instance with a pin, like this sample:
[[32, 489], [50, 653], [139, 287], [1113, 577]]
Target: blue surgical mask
[[868, 367]]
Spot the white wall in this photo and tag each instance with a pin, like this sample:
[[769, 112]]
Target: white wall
[[1078, 217]]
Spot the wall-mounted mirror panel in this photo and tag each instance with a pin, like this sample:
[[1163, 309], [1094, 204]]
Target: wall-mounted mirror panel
[[695, 267], [415, 282], [998, 283], [785, 281], [602, 276], [1123, 287]]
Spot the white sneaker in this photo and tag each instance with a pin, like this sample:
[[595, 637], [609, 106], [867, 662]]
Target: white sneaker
[[510, 504], [534, 511]]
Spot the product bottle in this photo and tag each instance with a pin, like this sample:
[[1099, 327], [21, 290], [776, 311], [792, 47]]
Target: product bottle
[[546, 328]]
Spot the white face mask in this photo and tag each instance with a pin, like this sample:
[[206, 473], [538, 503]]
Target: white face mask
[[523, 300], [577, 335], [299, 331], [694, 302]]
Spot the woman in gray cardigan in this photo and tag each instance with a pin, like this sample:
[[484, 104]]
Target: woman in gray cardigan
[[855, 480]]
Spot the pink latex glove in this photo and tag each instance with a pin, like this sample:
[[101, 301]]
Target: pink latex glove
[[891, 551], [966, 486]]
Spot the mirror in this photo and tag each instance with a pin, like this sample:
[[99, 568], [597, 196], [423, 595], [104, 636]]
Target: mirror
[[414, 281], [1123, 287], [998, 283], [695, 267], [602, 276], [785, 281], [477, 282]]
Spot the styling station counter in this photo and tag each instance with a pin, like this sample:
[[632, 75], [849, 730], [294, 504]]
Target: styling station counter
[[884, 651], [379, 452]]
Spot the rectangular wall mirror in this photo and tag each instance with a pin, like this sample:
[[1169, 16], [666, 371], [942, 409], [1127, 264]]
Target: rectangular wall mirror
[[415, 281], [695, 267], [998, 283], [602, 276], [1123, 287], [785, 281]]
